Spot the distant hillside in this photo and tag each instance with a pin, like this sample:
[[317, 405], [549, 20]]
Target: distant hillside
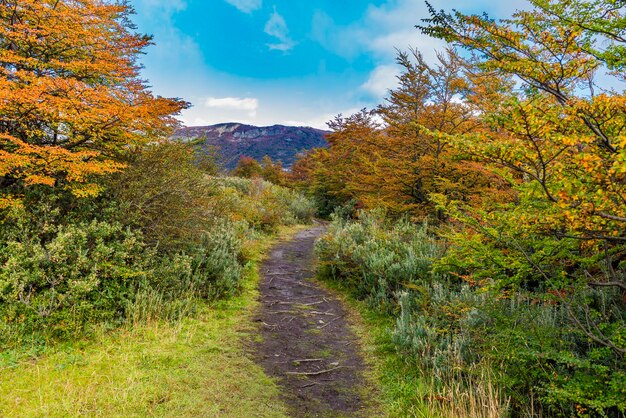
[[281, 143]]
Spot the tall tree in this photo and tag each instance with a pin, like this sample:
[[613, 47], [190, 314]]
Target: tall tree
[[560, 131], [71, 99], [400, 164], [418, 165]]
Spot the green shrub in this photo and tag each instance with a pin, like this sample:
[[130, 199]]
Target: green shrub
[[549, 359], [559, 341], [59, 283], [262, 205], [81, 273], [163, 193], [161, 237], [375, 259], [211, 269], [302, 208], [219, 267]]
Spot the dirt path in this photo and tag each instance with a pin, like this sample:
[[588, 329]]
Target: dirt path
[[307, 343]]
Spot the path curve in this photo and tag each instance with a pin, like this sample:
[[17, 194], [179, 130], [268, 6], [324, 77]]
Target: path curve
[[307, 344]]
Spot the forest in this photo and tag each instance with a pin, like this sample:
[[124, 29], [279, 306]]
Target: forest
[[478, 213]]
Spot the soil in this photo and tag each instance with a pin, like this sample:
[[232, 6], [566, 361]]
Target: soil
[[307, 343]]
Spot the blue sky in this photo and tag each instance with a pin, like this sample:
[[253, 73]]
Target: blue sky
[[297, 62]]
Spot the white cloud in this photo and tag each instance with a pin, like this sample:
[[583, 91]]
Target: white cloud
[[391, 25], [381, 80], [246, 6], [378, 33], [321, 121], [248, 105], [173, 46], [277, 27], [213, 110]]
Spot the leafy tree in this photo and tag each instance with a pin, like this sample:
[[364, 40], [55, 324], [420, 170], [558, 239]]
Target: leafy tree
[[71, 99], [602, 22], [416, 164], [400, 164], [314, 174], [565, 142], [560, 137], [248, 167]]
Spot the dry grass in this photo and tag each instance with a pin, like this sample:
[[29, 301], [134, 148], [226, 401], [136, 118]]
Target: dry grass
[[478, 398]]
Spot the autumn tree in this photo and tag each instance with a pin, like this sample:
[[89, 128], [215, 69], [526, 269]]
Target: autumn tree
[[247, 167], [602, 22], [417, 164], [71, 99], [301, 170], [559, 132], [400, 164], [317, 175], [272, 171], [562, 132]]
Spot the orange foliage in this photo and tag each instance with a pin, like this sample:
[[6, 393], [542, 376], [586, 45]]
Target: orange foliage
[[70, 95], [248, 167], [403, 163], [558, 131]]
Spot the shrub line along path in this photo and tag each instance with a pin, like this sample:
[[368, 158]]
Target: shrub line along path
[[307, 343]]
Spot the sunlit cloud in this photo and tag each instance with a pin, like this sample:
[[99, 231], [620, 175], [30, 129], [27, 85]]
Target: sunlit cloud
[[247, 104]]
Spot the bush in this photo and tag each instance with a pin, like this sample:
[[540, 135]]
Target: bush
[[163, 193], [376, 259], [262, 205], [389, 264], [211, 269], [58, 281], [162, 236], [82, 273]]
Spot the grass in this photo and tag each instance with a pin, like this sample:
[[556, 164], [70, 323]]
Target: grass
[[194, 367]]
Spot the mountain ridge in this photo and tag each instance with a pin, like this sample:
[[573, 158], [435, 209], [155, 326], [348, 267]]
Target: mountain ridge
[[233, 140]]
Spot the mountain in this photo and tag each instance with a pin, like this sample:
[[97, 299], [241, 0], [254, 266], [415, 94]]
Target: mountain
[[233, 140]]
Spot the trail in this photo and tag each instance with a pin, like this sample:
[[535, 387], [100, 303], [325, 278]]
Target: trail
[[307, 343]]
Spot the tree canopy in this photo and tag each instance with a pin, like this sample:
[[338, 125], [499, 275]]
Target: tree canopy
[[71, 96]]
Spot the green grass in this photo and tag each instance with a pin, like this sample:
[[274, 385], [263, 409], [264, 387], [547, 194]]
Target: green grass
[[403, 390], [196, 367]]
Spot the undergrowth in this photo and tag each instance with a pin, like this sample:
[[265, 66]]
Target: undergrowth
[[467, 348], [163, 238]]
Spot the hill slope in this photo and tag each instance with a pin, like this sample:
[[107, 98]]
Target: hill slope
[[281, 143]]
